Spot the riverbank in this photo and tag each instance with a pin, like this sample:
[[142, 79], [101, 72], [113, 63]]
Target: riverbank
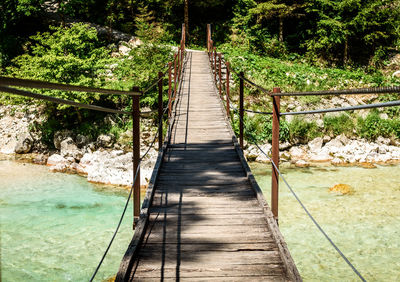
[[108, 160], [338, 151], [105, 160]]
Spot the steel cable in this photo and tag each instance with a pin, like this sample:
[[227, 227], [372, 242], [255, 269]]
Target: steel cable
[[359, 107], [306, 210], [130, 193]]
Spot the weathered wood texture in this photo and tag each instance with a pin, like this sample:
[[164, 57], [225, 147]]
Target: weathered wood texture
[[205, 221]]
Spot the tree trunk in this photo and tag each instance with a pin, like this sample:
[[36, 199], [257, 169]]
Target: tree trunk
[[280, 29], [186, 18], [346, 51]]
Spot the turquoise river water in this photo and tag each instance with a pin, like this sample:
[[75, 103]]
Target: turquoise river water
[[55, 227], [365, 225]]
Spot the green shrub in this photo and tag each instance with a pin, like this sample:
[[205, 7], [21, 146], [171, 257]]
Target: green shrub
[[303, 131], [373, 126], [337, 125]]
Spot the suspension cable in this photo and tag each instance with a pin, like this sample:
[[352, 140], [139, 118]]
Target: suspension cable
[[306, 210]]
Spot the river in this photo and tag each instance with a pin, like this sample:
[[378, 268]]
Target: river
[[55, 227]]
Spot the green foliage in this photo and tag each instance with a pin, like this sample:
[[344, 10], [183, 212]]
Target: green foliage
[[296, 75], [75, 55], [14, 15], [148, 29], [303, 131], [350, 28], [373, 126], [336, 125]]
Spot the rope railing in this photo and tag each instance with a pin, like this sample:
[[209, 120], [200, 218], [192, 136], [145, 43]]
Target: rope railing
[[275, 95], [178, 62], [159, 134]]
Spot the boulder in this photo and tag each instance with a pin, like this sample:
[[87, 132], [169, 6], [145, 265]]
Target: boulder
[[24, 144], [105, 140], [342, 189], [320, 156], [297, 153], [333, 145], [284, 146], [56, 159], [81, 140], [68, 148], [342, 138], [61, 135], [316, 144], [301, 163], [124, 49]]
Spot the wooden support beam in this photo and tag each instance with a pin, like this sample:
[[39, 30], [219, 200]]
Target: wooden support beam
[[241, 101], [169, 88], [275, 153], [228, 110], [136, 156], [160, 110], [220, 74]]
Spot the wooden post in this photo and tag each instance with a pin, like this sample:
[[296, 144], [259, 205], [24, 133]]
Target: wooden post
[[275, 153], [169, 87], [182, 54], [211, 51], [136, 155], [219, 74], [215, 64], [228, 110], [175, 71], [160, 111], [241, 99], [208, 39]]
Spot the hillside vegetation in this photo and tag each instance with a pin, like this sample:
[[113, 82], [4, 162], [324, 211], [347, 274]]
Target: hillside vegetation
[[296, 45]]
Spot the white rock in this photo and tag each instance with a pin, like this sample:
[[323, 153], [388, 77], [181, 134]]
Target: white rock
[[123, 49], [381, 140], [56, 159], [302, 163], [337, 161], [297, 153], [315, 144], [68, 148]]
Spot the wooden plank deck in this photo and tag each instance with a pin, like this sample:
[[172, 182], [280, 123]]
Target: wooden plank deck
[[206, 218]]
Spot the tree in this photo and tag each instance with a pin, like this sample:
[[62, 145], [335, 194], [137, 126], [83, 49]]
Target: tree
[[14, 16], [364, 24], [186, 18], [280, 9]]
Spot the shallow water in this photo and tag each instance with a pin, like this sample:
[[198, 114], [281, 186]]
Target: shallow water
[[365, 225], [55, 227]]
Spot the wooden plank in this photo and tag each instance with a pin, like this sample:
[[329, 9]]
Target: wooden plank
[[203, 210], [222, 219], [193, 259], [219, 271]]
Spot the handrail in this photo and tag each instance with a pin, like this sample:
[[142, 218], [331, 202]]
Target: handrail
[[29, 83], [24, 93], [141, 218]]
